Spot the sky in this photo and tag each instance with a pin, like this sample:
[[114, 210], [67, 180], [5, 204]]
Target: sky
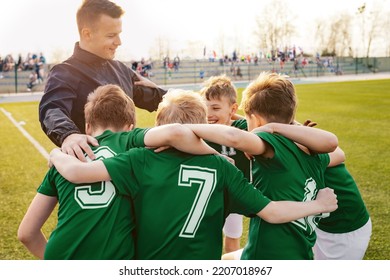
[[49, 26]]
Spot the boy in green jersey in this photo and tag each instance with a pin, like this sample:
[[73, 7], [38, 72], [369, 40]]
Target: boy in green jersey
[[181, 200], [346, 232], [282, 170], [220, 96], [95, 221]]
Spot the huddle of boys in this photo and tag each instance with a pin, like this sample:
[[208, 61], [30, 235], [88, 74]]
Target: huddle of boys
[[132, 202], [189, 217]]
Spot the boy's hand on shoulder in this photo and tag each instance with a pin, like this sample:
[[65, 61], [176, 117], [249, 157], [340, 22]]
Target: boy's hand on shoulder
[[309, 123], [159, 149], [264, 128]]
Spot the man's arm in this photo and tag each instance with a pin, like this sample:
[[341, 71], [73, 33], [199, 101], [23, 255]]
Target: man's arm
[[277, 212], [146, 94], [30, 229], [55, 110], [56, 106]]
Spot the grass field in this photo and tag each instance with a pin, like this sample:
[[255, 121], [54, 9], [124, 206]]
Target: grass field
[[357, 112]]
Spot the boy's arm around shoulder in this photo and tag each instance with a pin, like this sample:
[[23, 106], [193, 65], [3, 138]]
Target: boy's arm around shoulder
[[277, 212], [315, 139], [178, 136], [336, 157], [76, 171], [231, 137]]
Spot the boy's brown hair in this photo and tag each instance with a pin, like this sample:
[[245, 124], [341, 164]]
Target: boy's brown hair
[[217, 87], [181, 106], [271, 96], [109, 107], [91, 10]]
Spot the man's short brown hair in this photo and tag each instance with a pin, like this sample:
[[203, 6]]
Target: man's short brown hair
[[91, 10]]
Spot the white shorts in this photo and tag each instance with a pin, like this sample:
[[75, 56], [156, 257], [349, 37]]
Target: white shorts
[[233, 226], [342, 246]]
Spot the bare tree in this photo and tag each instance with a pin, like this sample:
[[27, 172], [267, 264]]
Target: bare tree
[[334, 36], [221, 42], [275, 26], [372, 25], [161, 48]]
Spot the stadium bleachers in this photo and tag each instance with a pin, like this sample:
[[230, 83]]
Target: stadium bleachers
[[192, 71]]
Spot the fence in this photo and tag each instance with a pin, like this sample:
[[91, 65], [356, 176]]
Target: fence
[[196, 71]]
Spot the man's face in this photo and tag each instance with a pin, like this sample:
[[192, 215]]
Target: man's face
[[104, 37], [220, 111]]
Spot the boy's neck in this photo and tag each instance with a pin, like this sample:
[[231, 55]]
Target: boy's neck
[[98, 132]]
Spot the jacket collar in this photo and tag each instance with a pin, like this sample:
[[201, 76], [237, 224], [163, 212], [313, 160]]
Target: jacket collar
[[87, 57]]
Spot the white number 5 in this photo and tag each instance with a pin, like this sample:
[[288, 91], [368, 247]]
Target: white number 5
[[101, 197]]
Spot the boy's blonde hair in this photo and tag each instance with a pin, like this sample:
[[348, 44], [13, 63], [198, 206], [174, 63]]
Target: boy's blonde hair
[[217, 87], [181, 106], [271, 96], [108, 106]]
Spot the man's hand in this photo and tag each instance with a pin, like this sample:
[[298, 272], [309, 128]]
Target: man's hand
[[78, 144], [144, 81], [328, 199]]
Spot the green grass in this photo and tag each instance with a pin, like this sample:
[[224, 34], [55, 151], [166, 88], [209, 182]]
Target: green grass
[[357, 112]]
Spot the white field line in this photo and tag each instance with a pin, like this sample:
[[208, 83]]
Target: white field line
[[35, 143]]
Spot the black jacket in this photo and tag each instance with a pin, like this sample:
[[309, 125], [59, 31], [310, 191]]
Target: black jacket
[[61, 109]]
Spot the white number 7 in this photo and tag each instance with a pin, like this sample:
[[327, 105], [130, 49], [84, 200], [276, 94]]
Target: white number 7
[[207, 180]]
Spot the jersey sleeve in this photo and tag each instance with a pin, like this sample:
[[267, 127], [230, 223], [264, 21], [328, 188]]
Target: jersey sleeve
[[241, 124], [48, 187], [134, 138], [122, 169], [243, 197], [325, 160]]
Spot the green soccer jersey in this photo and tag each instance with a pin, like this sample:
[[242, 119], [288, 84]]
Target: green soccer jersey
[[290, 175], [240, 160], [94, 221], [351, 213], [182, 201]]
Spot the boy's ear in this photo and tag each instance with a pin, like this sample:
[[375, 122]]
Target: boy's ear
[[258, 121], [128, 127], [88, 129], [234, 109]]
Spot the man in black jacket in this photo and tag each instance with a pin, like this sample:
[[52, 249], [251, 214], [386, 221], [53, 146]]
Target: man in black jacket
[[61, 110]]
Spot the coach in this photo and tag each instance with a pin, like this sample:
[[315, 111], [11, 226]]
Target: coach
[[61, 109]]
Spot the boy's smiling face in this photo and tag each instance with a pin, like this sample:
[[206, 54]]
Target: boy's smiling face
[[220, 111]]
